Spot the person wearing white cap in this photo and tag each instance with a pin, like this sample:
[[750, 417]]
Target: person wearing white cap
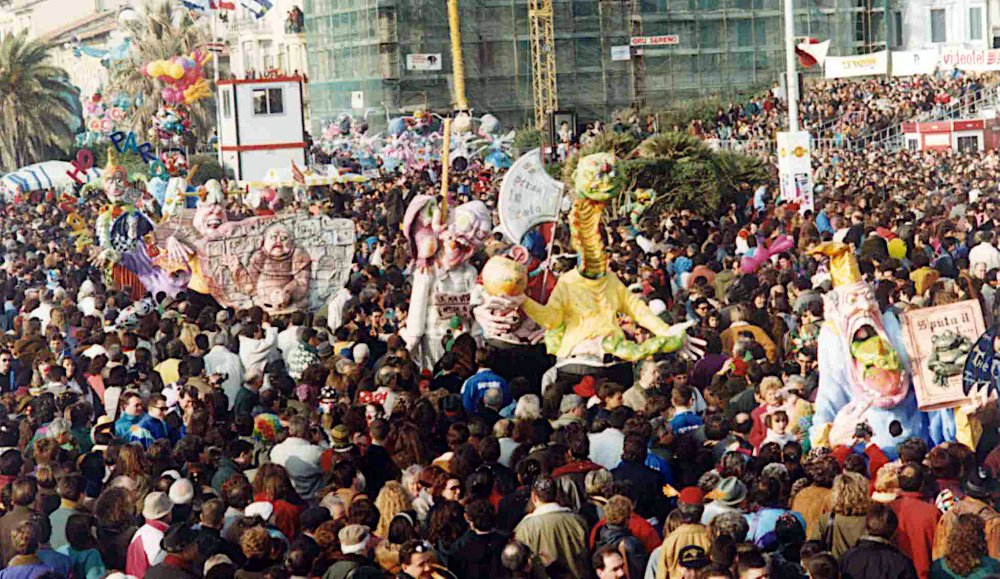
[[145, 551], [355, 561]]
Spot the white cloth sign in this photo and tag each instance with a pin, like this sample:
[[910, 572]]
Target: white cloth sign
[[860, 65], [912, 62], [795, 169]]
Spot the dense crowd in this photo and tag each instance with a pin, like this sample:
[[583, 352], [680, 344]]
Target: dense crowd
[[846, 109], [199, 441]]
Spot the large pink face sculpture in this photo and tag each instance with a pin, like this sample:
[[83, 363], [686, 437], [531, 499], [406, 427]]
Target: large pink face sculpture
[[874, 364]]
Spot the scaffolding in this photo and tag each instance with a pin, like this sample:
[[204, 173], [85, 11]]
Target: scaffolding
[[358, 52], [545, 95]]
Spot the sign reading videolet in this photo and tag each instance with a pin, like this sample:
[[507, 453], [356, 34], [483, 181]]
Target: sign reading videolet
[[664, 40], [423, 61]]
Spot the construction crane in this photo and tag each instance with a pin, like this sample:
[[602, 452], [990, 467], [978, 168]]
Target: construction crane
[[543, 61]]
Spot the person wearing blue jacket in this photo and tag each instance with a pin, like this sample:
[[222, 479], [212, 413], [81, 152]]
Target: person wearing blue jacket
[[152, 426], [132, 413], [475, 386]]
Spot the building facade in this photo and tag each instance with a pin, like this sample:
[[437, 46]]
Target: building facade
[[926, 24], [275, 43], [377, 58]]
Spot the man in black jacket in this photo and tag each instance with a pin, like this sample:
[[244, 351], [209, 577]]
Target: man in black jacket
[[209, 537], [647, 484], [875, 556], [477, 552]]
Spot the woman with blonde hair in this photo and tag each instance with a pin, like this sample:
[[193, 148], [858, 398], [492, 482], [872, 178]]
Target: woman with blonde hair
[[967, 553], [133, 463], [391, 500], [849, 502], [529, 407]]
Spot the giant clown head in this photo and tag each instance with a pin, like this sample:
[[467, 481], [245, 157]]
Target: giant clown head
[[211, 212], [876, 369], [467, 230], [117, 187]]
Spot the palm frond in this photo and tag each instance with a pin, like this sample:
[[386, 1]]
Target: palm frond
[[38, 103]]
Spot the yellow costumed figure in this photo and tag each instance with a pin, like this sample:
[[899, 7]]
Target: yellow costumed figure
[[581, 317]]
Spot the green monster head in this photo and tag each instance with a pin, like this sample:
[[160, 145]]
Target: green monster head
[[595, 177]]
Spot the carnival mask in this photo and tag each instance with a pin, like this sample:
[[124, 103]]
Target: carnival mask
[[278, 242], [875, 366]]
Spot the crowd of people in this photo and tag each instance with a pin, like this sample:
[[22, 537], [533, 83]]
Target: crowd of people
[[199, 441], [843, 110]]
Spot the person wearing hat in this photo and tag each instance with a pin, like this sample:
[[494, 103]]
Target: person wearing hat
[[981, 491], [693, 558], [341, 448], [145, 550], [691, 506], [354, 558], [221, 361], [572, 410], [727, 497], [181, 547]]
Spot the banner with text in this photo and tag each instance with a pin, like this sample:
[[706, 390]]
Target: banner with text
[[423, 61], [860, 65], [973, 60], [528, 196], [795, 169], [911, 62]]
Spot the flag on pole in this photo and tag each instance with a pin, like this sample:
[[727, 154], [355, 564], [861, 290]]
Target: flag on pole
[[222, 5], [258, 7], [199, 5], [812, 52]]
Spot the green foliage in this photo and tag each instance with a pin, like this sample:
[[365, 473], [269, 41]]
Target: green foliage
[[39, 106], [684, 172], [208, 168], [674, 147], [693, 185], [527, 139], [739, 175]]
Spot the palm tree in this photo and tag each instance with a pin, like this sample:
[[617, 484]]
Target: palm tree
[[673, 146], [40, 105], [163, 30]]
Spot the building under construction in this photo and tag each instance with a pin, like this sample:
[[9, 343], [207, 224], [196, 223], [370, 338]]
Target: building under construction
[[380, 57]]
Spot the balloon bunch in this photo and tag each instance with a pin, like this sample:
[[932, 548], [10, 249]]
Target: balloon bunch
[[175, 162], [169, 125], [184, 76]]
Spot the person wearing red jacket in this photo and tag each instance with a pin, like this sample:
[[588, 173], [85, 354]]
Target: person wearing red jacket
[[918, 519], [640, 529]]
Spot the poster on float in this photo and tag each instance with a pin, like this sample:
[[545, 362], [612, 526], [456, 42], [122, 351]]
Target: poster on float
[[938, 342]]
